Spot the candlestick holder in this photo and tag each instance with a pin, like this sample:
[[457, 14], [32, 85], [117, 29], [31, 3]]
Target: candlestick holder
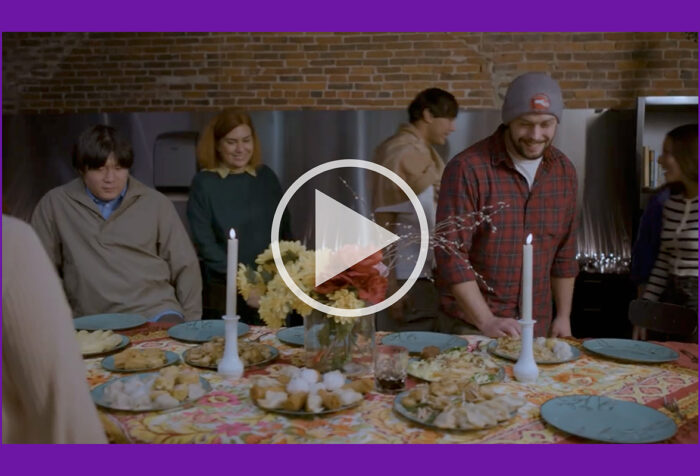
[[231, 364], [525, 369]]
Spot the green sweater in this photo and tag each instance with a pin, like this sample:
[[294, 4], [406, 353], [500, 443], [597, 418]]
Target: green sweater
[[239, 201]]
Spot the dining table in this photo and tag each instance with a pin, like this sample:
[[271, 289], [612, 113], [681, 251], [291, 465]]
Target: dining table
[[228, 415]]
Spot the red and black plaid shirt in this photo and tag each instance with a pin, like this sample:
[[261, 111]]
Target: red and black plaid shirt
[[484, 175]]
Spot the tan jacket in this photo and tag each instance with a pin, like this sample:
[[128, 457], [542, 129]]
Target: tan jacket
[[140, 260], [412, 159], [45, 396]]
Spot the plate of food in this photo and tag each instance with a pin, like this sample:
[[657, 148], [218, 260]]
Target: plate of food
[[545, 350], [304, 392], [170, 388], [416, 341], [112, 322], [203, 331], [210, 353], [606, 419], [139, 360], [457, 406], [94, 343], [291, 335], [457, 365], [631, 350]]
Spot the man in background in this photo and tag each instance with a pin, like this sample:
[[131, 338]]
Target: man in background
[[410, 154]]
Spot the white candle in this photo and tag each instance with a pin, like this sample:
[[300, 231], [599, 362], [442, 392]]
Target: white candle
[[231, 270], [230, 364], [526, 288]]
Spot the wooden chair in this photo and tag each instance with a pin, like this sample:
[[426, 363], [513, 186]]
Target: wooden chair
[[664, 318]]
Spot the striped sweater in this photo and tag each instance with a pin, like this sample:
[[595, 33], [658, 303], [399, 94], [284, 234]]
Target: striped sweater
[[678, 252]]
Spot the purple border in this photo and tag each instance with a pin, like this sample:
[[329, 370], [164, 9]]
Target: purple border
[[337, 460], [359, 15]]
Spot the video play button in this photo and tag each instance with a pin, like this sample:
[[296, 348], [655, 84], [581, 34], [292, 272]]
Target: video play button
[[344, 237], [346, 228]]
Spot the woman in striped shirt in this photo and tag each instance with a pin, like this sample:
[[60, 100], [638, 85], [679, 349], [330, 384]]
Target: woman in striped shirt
[[674, 277]]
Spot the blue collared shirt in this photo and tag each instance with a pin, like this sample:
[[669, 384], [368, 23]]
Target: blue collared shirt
[[106, 208]]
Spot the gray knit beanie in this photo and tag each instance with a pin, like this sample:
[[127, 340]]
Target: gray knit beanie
[[532, 93]]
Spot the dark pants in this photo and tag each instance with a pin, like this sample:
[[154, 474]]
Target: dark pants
[[421, 312], [681, 290]]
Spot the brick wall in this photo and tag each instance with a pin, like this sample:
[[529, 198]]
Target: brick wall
[[76, 72]]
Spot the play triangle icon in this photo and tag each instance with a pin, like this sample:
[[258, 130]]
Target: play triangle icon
[[344, 237]]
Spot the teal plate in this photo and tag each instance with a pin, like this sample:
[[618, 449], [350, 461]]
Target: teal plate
[[631, 350], [492, 347], [415, 341], [203, 331], [108, 322], [98, 397], [170, 359], [291, 335], [124, 342], [606, 419]]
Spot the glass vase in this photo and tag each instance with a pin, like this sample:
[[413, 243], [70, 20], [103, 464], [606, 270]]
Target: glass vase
[[345, 346]]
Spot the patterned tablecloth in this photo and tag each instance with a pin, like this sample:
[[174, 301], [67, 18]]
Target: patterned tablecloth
[[227, 414]]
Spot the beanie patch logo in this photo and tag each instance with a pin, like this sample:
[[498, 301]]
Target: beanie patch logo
[[540, 102]]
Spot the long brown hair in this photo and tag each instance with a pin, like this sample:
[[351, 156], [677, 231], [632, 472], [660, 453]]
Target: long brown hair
[[684, 147], [222, 124]]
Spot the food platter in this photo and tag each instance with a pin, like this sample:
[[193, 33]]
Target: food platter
[[187, 357], [112, 322], [416, 341], [493, 348], [98, 394], [203, 331], [429, 417], [605, 419], [170, 359], [457, 364], [303, 392], [301, 413], [631, 350], [122, 344]]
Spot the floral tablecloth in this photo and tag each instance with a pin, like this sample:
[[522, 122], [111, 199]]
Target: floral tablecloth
[[227, 414]]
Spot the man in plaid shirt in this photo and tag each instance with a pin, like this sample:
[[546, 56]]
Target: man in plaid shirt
[[518, 166]]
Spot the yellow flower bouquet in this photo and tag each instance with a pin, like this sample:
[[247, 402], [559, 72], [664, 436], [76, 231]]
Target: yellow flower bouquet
[[330, 340]]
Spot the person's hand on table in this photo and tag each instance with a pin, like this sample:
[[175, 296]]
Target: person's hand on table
[[561, 327], [500, 327]]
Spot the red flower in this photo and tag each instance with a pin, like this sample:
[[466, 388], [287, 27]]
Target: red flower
[[364, 276]]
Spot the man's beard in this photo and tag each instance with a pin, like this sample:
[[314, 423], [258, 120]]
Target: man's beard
[[520, 148]]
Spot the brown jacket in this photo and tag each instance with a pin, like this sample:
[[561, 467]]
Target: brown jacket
[[412, 159], [140, 260]]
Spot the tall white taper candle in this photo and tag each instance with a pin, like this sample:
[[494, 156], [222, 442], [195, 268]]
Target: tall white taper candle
[[526, 288], [231, 270]]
